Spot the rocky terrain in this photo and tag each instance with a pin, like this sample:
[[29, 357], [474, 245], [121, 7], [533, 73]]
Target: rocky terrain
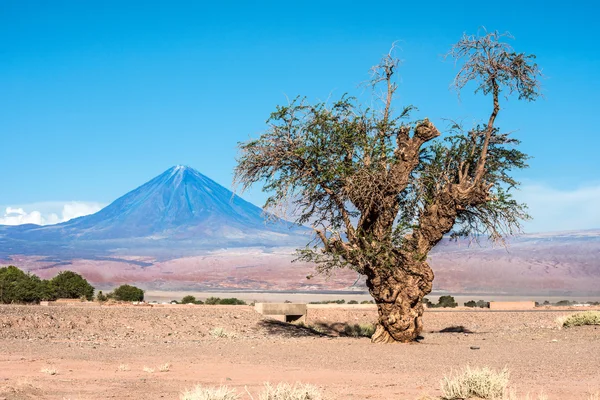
[[101, 352]]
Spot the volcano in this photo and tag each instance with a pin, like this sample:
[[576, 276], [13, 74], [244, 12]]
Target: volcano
[[179, 208]]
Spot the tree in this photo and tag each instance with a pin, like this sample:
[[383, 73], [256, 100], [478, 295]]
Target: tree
[[380, 190], [446, 302], [127, 293], [188, 300], [101, 297], [70, 285], [17, 286], [471, 303]]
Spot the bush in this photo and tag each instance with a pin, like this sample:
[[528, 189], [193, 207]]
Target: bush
[[483, 383], [353, 302], [367, 302], [188, 300], [101, 297], [17, 286], [471, 303], [230, 301], [285, 391], [233, 301], [207, 393], [563, 303], [446, 301], [127, 293], [70, 285], [582, 318], [359, 330]]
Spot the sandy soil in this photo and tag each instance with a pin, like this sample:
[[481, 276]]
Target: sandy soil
[[87, 344]]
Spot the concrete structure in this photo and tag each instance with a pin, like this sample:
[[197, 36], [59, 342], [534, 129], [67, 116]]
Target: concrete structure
[[284, 312], [512, 305]]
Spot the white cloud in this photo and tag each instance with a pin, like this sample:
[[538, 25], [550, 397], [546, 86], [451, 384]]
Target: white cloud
[[47, 213], [560, 210]]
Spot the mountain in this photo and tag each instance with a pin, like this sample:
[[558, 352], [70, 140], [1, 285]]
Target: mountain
[[179, 208]]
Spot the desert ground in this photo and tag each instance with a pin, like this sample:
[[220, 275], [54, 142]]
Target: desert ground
[[100, 352]]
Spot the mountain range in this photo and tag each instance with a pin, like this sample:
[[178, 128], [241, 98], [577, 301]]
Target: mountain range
[[182, 230]]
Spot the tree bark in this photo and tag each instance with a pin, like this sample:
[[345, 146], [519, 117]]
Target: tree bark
[[398, 293]]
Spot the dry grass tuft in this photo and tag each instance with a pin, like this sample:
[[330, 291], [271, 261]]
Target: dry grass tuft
[[483, 382], [164, 367], [594, 396], [49, 371], [148, 370], [222, 333], [124, 367], [581, 318], [285, 391], [208, 393]]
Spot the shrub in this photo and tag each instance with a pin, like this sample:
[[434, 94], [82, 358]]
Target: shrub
[[101, 297], [230, 301], [70, 285], [563, 303], [212, 300], [233, 301], [471, 303], [222, 333], [359, 330], [285, 391], [353, 302], [367, 302], [446, 301], [483, 304], [188, 300], [582, 318], [17, 286], [477, 382], [128, 293], [207, 393]]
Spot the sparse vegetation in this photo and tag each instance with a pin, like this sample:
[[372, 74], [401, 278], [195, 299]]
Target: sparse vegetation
[[483, 382], [353, 302], [127, 293], [579, 319], [230, 301], [444, 302], [148, 370], [340, 301], [190, 300], [101, 297], [285, 391], [49, 371], [164, 367], [124, 367], [479, 303], [359, 330], [222, 333], [208, 393]]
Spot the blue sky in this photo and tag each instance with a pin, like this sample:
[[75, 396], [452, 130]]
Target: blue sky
[[97, 97]]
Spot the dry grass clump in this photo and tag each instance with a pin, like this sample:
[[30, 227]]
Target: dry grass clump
[[483, 382], [581, 318], [222, 333], [359, 330], [49, 371], [148, 370], [207, 393], [164, 367], [285, 391], [594, 396], [124, 367]]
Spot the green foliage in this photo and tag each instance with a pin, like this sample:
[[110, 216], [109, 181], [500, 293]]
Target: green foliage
[[340, 301], [564, 303], [353, 302], [70, 285], [188, 300], [446, 302], [101, 297], [367, 302], [17, 286], [479, 303], [229, 301], [427, 302], [128, 293]]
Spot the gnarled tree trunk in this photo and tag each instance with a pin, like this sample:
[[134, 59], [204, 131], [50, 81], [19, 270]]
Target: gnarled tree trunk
[[398, 293]]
